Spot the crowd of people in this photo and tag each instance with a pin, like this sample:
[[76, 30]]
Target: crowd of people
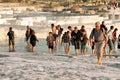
[[100, 37]]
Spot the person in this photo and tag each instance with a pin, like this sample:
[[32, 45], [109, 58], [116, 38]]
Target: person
[[110, 42], [103, 26], [84, 41], [33, 40], [114, 33], [11, 40], [98, 35], [57, 38], [60, 30], [76, 35], [119, 41], [66, 41], [28, 34], [55, 35], [50, 42], [70, 33]]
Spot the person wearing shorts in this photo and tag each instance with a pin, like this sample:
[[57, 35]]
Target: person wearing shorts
[[11, 39], [50, 42], [110, 42], [98, 35], [76, 34], [66, 41]]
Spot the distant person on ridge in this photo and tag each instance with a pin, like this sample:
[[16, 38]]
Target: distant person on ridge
[[11, 40]]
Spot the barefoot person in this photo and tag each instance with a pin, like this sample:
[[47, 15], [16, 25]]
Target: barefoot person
[[76, 35], [103, 26], [33, 40], [98, 35], [11, 39], [28, 34], [84, 41], [110, 42], [114, 38], [66, 41], [50, 42]]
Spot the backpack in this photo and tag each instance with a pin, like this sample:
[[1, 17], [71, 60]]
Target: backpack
[[65, 38], [100, 29]]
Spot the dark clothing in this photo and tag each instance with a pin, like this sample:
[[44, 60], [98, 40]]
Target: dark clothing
[[33, 40], [11, 35], [11, 42], [28, 34], [84, 39], [84, 42], [76, 36], [65, 38], [119, 41], [77, 44], [93, 45], [103, 27], [60, 32], [55, 36], [51, 47], [99, 35]]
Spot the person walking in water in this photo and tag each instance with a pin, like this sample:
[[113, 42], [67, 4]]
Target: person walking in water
[[33, 40], [66, 42], [98, 35], [28, 34], [50, 42], [114, 38], [103, 26], [76, 35], [84, 41], [110, 40], [11, 40]]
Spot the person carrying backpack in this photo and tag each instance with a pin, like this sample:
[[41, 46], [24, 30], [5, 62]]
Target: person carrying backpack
[[66, 41], [98, 35], [11, 40]]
